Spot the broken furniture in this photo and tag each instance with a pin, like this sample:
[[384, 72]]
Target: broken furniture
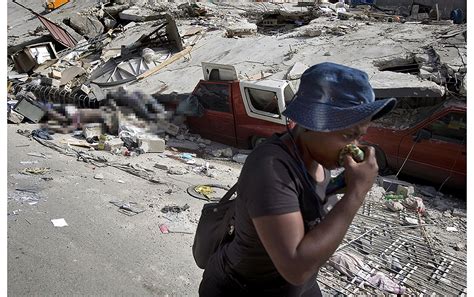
[[34, 55]]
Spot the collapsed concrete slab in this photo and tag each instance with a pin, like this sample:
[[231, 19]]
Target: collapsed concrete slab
[[391, 84], [88, 26], [139, 14]]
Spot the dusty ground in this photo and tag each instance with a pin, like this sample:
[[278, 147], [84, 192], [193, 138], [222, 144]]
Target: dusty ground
[[102, 251]]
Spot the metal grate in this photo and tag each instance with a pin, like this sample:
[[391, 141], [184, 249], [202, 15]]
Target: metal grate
[[404, 253]]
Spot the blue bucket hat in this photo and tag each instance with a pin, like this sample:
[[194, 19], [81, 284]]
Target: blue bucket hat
[[334, 97]]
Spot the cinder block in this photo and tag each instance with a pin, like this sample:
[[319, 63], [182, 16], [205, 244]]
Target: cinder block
[[151, 143]]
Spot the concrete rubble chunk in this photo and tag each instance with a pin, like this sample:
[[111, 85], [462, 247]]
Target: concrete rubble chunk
[[87, 26], [113, 144], [241, 29], [296, 71], [161, 166], [312, 32], [177, 170], [109, 23], [139, 14], [460, 213], [394, 205], [151, 143]]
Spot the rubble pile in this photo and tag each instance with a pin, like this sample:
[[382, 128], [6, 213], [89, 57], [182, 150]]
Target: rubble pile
[[112, 94]]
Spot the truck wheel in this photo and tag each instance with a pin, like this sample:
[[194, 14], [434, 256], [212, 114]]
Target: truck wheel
[[256, 140]]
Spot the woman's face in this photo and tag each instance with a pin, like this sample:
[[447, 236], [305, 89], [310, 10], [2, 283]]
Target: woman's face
[[324, 147]]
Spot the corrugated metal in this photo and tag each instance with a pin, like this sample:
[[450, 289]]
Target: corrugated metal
[[58, 33]]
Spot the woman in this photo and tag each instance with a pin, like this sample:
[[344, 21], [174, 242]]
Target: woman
[[282, 235]]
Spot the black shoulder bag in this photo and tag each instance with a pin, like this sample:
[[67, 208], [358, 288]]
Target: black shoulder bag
[[215, 227]]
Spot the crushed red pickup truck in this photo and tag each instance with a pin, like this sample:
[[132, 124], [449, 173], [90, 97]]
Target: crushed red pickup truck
[[237, 112], [241, 113], [432, 147]]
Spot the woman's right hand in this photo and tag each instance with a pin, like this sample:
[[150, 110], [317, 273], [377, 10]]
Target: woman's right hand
[[360, 176]]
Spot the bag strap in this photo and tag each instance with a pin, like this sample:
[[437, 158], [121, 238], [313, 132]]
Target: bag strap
[[229, 193]]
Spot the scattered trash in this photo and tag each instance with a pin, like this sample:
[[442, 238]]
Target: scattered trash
[[59, 222], [415, 203], [28, 162], [459, 246], [411, 221], [393, 197], [34, 170], [174, 208], [40, 155], [212, 192], [394, 205], [41, 133], [164, 229], [128, 208]]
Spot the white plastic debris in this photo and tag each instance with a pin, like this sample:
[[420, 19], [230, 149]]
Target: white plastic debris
[[59, 222], [451, 229]]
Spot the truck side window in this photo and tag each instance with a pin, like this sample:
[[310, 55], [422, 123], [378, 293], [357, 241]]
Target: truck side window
[[449, 128], [214, 97], [263, 102]]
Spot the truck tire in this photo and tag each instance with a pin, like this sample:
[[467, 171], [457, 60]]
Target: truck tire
[[256, 140]]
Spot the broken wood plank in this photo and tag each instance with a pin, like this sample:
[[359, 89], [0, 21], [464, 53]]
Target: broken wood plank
[[174, 58]]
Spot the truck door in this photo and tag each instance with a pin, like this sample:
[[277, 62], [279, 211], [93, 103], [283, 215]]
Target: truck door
[[435, 158], [217, 121]]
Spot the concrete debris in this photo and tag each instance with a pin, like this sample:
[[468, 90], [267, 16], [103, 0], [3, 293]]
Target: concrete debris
[[139, 14], [394, 205], [99, 176], [239, 158], [296, 71], [459, 213], [241, 29], [151, 143], [86, 25], [405, 191], [177, 170], [460, 246]]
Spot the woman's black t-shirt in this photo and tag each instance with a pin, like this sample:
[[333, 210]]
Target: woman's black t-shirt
[[272, 182]]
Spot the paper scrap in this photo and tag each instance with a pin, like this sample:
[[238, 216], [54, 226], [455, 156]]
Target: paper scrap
[[59, 222]]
